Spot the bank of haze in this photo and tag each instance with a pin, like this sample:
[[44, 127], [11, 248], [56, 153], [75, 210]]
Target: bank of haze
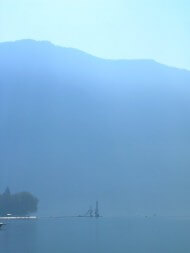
[[75, 127]]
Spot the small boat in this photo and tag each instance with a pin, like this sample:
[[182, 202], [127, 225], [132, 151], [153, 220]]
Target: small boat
[[2, 224]]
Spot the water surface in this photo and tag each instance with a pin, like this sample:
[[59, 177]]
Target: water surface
[[103, 235]]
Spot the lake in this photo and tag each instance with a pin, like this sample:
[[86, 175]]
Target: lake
[[91, 235]]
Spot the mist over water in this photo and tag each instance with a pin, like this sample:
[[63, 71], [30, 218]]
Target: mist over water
[[94, 126]]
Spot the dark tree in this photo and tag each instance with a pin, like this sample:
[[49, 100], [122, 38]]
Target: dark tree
[[22, 203]]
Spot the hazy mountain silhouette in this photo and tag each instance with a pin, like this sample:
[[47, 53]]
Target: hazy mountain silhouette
[[75, 128]]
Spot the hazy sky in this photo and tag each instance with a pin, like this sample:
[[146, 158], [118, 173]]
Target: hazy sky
[[156, 29]]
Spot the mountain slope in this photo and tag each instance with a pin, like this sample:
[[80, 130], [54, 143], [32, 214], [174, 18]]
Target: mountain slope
[[75, 128]]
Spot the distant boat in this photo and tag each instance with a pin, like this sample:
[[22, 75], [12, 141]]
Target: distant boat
[[2, 224], [92, 213]]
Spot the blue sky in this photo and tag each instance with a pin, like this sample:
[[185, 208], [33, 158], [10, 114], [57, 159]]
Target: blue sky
[[153, 29]]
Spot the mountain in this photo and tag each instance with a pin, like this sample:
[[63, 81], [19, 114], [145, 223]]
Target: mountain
[[75, 128]]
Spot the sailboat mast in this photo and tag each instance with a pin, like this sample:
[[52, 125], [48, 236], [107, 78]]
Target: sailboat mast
[[97, 210]]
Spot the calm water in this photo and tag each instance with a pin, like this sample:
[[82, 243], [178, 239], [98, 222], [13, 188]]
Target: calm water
[[104, 235]]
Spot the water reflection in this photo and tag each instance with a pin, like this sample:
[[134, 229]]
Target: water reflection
[[90, 235], [18, 237]]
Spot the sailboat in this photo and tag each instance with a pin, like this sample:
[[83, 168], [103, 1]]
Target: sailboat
[[96, 211], [92, 213]]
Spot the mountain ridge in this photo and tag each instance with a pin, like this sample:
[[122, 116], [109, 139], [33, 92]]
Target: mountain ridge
[[51, 44]]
